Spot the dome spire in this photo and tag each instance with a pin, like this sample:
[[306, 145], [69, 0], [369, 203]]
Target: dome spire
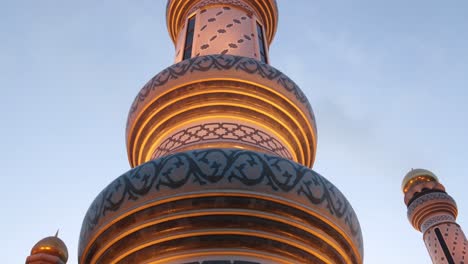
[[50, 250]]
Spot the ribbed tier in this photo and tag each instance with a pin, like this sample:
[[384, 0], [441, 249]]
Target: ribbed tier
[[221, 101], [220, 204]]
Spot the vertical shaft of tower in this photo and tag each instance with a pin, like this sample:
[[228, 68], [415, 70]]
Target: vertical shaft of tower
[[433, 212], [233, 29], [242, 28]]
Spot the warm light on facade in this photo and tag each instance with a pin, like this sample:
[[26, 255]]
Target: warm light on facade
[[221, 145]]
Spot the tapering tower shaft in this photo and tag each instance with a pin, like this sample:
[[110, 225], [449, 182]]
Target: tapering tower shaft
[[433, 212], [240, 27], [217, 29], [445, 241]]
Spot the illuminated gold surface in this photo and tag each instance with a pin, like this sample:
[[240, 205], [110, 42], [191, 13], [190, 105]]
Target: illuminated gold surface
[[250, 118], [227, 253], [190, 193], [221, 196], [257, 100], [226, 75], [51, 246], [231, 231], [212, 212], [415, 176], [436, 207]]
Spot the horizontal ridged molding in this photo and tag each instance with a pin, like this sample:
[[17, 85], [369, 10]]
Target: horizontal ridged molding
[[198, 200], [246, 104]]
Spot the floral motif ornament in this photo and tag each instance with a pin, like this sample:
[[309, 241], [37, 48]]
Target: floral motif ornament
[[212, 166], [221, 63]]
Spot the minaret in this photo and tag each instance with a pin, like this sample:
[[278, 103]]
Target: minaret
[[433, 212], [221, 144]]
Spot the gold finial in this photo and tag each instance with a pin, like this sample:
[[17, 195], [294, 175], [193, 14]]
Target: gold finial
[[414, 175], [52, 246]]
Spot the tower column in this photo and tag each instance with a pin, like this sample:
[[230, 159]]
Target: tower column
[[433, 212], [220, 28], [234, 27]]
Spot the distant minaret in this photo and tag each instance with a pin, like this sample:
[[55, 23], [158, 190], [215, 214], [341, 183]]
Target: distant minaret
[[433, 212]]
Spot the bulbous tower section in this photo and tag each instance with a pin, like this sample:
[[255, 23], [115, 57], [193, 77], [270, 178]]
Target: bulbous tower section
[[221, 145], [221, 92], [433, 212]]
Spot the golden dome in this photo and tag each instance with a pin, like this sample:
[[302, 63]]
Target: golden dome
[[417, 175], [52, 246]]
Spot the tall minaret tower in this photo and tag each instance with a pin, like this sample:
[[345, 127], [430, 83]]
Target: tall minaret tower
[[433, 212], [221, 144]]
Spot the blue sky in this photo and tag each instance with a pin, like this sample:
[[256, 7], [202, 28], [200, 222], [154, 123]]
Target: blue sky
[[388, 81]]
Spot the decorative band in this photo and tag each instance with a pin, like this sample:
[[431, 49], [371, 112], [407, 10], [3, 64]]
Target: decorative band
[[429, 197], [222, 131], [237, 3], [435, 221]]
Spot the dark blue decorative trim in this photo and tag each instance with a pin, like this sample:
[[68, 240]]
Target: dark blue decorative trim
[[210, 166]]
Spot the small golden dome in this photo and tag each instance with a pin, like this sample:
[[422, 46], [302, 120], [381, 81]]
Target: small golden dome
[[52, 246], [417, 175]]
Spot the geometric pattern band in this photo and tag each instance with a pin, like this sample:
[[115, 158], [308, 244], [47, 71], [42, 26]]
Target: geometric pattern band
[[228, 2], [435, 221], [221, 131]]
